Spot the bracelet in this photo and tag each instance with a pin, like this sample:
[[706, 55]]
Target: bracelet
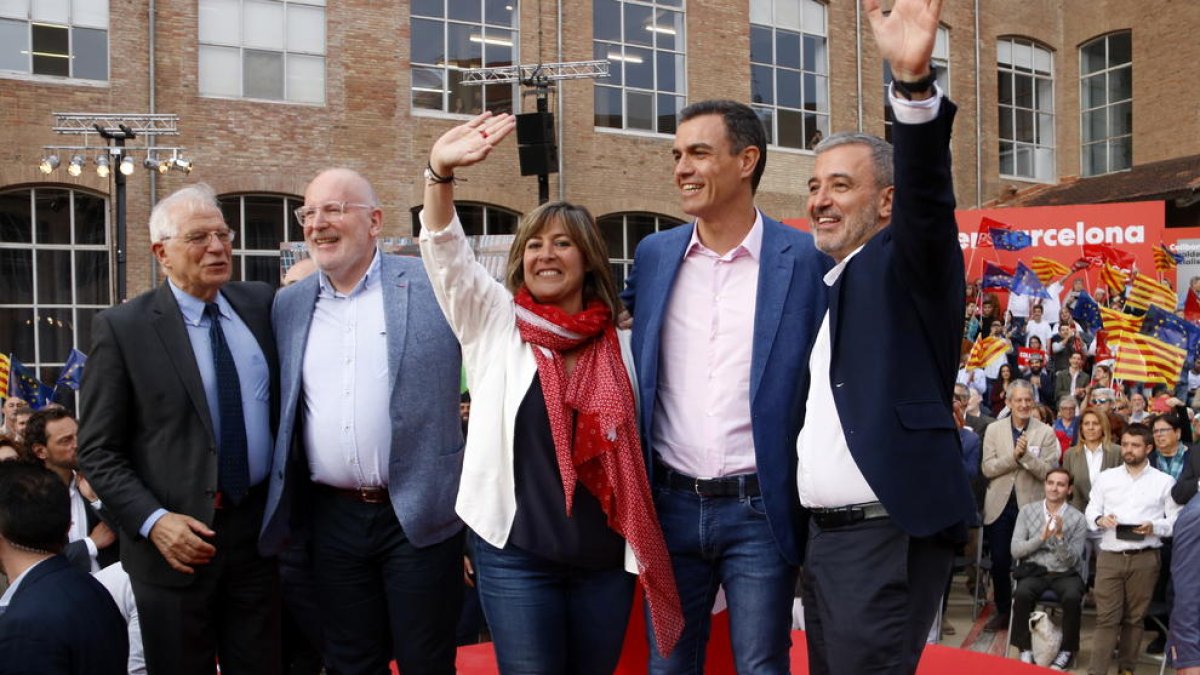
[[907, 89], [432, 176]]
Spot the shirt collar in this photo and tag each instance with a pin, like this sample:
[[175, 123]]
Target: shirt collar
[[751, 245], [193, 307], [371, 278], [834, 274], [12, 586]]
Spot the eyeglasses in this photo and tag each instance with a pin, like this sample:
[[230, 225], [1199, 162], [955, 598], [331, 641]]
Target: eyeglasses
[[201, 238], [332, 212], [1100, 401], [1164, 431]]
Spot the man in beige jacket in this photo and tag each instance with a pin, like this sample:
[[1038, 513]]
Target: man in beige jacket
[[1017, 453]]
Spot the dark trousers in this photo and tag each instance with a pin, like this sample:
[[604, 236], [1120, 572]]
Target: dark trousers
[[1068, 589], [871, 593], [381, 597], [229, 613], [302, 639], [999, 538]]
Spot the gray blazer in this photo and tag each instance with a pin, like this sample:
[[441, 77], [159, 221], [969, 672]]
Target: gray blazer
[[424, 366]]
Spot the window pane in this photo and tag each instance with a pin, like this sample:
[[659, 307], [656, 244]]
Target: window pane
[[639, 226], [640, 110], [52, 11], [767, 117], [1007, 159], [16, 217], [91, 54], [1044, 89], [463, 100], [1120, 49], [761, 45], [1045, 130], [263, 268], [791, 128], [464, 10], [427, 8], [600, 51], [471, 217], [498, 47], [814, 54], [14, 46], [606, 20], [264, 222], [17, 9], [220, 22], [1006, 123], [91, 277], [499, 12], [53, 209], [306, 78], [427, 87], [16, 275], [1121, 117], [761, 12], [670, 72], [56, 333], [814, 17], [668, 111], [787, 14], [762, 84], [1023, 93], [89, 13], [637, 25], [669, 33], [787, 89], [1024, 125], [1120, 154], [464, 45], [265, 23], [1042, 61], [428, 42], [1093, 93], [1043, 163], [16, 332], [306, 29], [220, 71], [787, 49], [89, 219], [1092, 57], [263, 75], [1095, 159], [1120, 88], [614, 236], [1095, 125], [498, 97], [83, 327], [608, 107], [54, 277], [639, 68], [50, 50], [815, 92]]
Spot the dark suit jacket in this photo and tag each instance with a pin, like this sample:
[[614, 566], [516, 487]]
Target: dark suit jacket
[[908, 279], [1189, 479], [76, 552], [62, 622], [146, 440], [791, 302]]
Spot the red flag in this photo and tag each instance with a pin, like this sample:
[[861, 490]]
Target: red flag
[[1104, 252], [1191, 307], [1025, 353], [984, 240]]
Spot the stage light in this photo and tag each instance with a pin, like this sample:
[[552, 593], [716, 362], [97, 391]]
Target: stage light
[[49, 163], [127, 165], [103, 168], [182, 165], [75, 168]]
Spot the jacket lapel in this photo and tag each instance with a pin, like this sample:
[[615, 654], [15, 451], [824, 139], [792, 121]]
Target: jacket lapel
[[774, 279], [395, 304], [168, 324]]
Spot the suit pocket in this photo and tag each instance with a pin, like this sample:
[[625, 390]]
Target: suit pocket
[[920, 415]]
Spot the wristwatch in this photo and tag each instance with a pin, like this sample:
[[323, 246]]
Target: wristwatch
[[907, 89]]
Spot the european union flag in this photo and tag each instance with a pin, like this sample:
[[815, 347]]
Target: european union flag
[[1025, 282], [996, 277], [1163, 325], [72, 371], [1010, 240], [26, 385], [1087, 312]]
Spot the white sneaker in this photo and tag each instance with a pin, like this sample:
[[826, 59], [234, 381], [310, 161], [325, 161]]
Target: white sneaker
[[1026, 656]]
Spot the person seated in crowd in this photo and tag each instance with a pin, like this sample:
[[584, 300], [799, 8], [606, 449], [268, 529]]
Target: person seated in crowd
[[1048, 542], [546, 363], [1184, 648], [1104, 399], [1004, 377], [1066, 425], [54, 619], [1122, 407], [1132, 507], [1137, 407], [1071, 380], [1040, 378], [1038, 327], [1064, 345], [1017, 454]]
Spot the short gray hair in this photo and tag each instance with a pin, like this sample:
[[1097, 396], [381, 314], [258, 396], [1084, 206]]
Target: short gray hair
[[881, 152], [1015, 385], [165, 217]]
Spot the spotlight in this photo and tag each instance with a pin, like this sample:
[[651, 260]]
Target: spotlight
[[49, 163], [103, 168], [180, 164], [150, 163], [75, 168], [164, 166], [127, 165]]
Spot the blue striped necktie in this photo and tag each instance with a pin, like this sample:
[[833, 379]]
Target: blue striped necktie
[[233, 471]]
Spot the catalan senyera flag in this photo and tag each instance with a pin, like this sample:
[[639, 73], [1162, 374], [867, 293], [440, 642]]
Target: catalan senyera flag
[[1114, 278], [1145, 291], [985, 351], [1116, 322], [1165, 259], [5, 364], [1143, 358], [1047, 269]]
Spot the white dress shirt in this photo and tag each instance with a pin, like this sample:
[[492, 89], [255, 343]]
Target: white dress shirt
[[79, 529], [1133, 500], [1095, 460]]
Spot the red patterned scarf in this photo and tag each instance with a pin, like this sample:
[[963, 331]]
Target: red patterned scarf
[[606, 455]]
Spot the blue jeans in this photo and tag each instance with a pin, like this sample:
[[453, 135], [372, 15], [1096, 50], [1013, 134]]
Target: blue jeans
[[547, 617], [726, 541]]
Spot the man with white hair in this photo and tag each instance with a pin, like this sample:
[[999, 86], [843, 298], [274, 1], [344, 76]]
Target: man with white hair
[[180, 397]]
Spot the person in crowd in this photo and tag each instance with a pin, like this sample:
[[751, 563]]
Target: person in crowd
[[116, 581], [1038, 327], [1017, 454], [374, 492], [54, 619], [1122, 407], [16, 421], [52, 438], [999, 388], [974, 378], [1101, 377], [10, 450], [1044, 414], [299, 269], [179, 395], [1137, 407], [11, 404], [1078, 288], [1049, 543], [989, 314], [992, 370], [977, 421], [1094, 453], [1193, 380], [883, 528], [1131, 506], [1071, 380], [1041, 380], [550, 558], [1184, 648], [1068, 342], [1066, 425], [1104, 399], [1170, 455]]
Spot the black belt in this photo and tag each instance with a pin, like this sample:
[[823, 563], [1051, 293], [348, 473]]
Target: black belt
[[742, 485], [828, 519], [367, 494], [1134, 551]]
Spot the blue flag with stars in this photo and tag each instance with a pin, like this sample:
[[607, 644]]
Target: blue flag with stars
[[1025, 282], [1165, 326], [72, 371], [1010, 240], [24, 384], [995, 277], [1087, 312]]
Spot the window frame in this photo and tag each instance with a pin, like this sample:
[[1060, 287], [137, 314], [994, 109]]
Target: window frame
[[621, 265], [243, 255], [617, 81], [1035, 113], [446, 67], [73, 23], [1109, 141], [769, 112]]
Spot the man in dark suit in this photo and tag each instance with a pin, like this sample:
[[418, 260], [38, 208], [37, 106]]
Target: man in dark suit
[[54, 619], [882, 476], [722, 311], [368, 468], [91, 542], [177, 439]]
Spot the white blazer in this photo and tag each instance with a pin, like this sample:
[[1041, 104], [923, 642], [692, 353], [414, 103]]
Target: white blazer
[[500, 367]]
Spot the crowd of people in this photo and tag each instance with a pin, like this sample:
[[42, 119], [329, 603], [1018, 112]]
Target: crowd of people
[[279, 482]]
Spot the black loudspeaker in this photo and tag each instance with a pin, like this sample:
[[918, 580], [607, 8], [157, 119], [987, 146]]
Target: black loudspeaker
[[535, 144]]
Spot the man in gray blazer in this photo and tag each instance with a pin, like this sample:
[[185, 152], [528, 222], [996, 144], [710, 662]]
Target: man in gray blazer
[[369, 447]]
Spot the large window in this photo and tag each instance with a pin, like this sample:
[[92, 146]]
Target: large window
[[64, 38], [262, 222], [789, 70], [623, 231], [451, 35], [1106, 103], [1025, 85], [476, 218], [644, 44], [272, 50], [940, 60], [54, 274]]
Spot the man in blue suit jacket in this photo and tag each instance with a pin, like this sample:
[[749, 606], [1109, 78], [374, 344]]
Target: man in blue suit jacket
[[54, 619], [881, 470], [369, 448], [723, 312]]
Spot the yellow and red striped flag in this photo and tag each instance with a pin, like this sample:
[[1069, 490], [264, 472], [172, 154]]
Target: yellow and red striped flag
[[1165, 259], [1119, 322], [1141, 358], [985, 351], [1047, 269], [1145, 291], [1114, 278], [5, 365]]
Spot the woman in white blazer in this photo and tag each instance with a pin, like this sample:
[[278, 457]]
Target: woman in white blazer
[[554, 482]]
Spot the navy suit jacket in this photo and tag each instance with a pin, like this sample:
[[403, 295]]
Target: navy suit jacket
[[77, 553], [62, 622], [896, 330], [424, 367], [791, 302]]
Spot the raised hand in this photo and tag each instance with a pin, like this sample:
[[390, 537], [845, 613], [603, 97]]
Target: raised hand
[[469, 143], [906, 36]]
